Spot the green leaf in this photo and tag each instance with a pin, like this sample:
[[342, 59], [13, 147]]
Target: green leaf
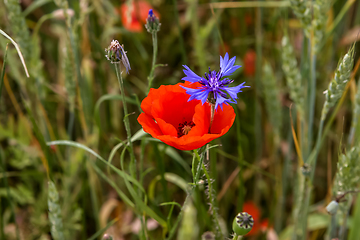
[[3, 71], [35, 5]]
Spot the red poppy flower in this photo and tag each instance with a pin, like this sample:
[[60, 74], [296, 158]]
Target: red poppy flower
[[259, 226], [133, 17], [169, 117], [249, 63]]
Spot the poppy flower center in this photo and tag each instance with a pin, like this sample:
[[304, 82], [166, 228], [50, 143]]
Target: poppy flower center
[[184, 128]]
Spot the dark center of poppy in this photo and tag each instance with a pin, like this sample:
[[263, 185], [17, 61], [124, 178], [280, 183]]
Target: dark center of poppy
[[184, 128]]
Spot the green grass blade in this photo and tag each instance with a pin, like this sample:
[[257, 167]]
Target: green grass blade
[[35, 5], [18, 51], [81, 146], [106, 98], [3, 168], [3, 71], [113, 184], [137, 136], [101, 231], [139, 203]]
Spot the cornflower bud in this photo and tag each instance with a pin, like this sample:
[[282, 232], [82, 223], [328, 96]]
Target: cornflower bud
[[116, 53], [152, 23]]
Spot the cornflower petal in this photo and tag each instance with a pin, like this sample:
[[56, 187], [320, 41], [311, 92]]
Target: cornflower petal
[[190, 75], [223, 61], [229, 68], [220, 100], [197, 93], [233, 91]]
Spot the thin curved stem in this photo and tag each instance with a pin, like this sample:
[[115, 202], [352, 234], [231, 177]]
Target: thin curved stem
[[126, 119]]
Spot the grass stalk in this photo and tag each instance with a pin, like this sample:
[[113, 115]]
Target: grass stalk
[[311, 100], [242, 190], [257, 110], [181, 39], [161, 167], [18, 51], [3, 71], [11, 202]]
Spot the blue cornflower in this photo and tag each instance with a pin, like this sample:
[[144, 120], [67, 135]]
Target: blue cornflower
[[214, 89]]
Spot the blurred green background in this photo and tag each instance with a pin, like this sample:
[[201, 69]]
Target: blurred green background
[[72, 94]]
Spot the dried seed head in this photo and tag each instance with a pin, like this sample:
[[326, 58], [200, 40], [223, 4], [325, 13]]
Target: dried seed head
[[116, 53]]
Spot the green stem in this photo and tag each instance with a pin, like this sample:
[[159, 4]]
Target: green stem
[[212, 196], [196, 177], [212, 113], [3, 70], [332, 229], [126, 119], [155, 49], [312, 95], [236, 237]]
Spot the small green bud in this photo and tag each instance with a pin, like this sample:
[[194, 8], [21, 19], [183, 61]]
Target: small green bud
[[243, 223], [332, 207]]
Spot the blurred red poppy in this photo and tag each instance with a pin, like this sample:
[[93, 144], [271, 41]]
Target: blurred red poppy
[[133, 17], [249, 63], [169, 117], [259, 226]]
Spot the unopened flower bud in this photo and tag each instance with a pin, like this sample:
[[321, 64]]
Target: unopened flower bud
[[208, 236], [152, 22], [243, 223], [107, 237], [116, 53], [60, 15], [332, 207]]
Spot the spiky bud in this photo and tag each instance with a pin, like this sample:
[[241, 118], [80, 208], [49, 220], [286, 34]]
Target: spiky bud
[[152, 22], [116, 53]]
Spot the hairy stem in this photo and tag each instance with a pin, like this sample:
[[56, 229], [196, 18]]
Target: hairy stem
[[155, 49]]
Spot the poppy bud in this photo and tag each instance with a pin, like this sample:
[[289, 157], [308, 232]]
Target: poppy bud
[[243, 223], [152, 23], [332, 207]]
